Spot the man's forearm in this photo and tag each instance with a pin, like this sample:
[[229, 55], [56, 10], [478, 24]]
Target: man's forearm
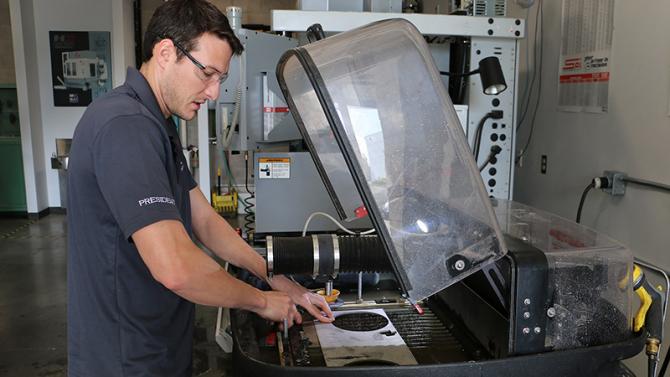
[[224, 241], [205, 282]]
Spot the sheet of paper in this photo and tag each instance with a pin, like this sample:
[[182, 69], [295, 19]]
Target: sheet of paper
[[585, 58]]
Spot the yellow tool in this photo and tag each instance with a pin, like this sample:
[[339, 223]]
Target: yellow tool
[[650, 315], [645, 298]]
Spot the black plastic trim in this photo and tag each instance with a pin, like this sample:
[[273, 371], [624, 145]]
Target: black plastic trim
[[301, 127]]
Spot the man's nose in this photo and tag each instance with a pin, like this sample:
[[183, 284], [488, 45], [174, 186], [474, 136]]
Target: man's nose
[[212, 90]]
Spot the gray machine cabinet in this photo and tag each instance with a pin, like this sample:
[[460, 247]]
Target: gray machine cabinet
[[253, 72], [284, 204]]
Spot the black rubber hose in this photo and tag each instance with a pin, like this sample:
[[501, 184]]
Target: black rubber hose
[[295, 255], [581, 201], [364, 253]]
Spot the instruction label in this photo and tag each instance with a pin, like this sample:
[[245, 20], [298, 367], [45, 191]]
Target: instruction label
[[586, 45], [274, 168]]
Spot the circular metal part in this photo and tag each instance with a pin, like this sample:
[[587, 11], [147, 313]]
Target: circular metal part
[[526, 315], [526, 330], [459, 265], [537, 330], [363, 321], [270, 255], [526, 301], [315, 245], [551, 312], [336, 256]]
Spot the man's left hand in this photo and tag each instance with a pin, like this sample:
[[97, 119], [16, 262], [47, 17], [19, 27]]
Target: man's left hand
[[315, 304]]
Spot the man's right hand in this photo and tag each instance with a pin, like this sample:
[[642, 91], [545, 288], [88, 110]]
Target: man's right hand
[[279, 306]]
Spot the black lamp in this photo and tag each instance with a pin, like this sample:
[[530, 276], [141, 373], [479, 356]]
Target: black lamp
[[490, 72]]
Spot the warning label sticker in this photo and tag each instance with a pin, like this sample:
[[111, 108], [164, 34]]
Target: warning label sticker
[[274, 168], [585, 57]]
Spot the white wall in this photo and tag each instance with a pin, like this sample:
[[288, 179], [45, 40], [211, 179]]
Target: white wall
[[633, 137], [41, 122], [123, 44], [60, 122]]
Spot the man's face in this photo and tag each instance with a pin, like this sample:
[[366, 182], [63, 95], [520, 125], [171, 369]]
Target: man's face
[[186, 86]]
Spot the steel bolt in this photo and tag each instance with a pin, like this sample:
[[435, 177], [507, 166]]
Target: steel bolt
[[551, 312], [526, 330], [459, 265], [537, 330], [526, 301], [526, 315]]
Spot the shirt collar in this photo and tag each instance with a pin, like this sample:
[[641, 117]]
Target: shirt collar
[[139, 84]]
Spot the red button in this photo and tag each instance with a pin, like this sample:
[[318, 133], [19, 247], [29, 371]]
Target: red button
[[361, 212]]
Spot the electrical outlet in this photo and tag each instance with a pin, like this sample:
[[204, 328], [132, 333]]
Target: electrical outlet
[[543, 164], [617, 185]]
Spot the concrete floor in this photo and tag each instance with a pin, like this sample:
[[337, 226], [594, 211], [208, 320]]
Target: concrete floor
[[33, 294]]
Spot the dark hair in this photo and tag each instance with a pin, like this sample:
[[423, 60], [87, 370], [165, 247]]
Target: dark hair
[[184, 21]]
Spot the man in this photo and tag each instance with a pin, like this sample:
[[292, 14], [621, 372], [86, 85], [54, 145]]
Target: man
[[134, 271]]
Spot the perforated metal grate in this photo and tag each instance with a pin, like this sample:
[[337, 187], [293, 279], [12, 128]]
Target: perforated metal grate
[[363, 321]]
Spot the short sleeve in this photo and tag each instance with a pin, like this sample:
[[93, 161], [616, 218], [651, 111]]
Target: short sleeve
[[186, 178], [130, 167]]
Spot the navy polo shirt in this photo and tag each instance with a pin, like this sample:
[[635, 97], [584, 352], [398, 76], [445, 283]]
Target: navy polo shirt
[[126, 171]]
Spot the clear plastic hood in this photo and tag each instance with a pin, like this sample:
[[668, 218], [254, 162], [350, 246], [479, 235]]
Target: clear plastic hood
[[384, 134]]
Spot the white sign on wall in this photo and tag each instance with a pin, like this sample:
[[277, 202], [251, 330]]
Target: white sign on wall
[[585, 58]]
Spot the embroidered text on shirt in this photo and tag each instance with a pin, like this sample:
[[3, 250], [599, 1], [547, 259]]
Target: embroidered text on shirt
[[155, 199]]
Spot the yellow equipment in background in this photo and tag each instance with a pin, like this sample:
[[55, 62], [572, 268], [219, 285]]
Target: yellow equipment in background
[[224, 204]]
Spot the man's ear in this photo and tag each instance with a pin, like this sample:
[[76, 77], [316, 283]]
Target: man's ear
[[164, 52]]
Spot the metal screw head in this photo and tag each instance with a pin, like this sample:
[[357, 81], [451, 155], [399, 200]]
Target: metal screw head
[[526, 330], [459, 265], [526, 301], [537, 330], [551, 312], [526, 315]]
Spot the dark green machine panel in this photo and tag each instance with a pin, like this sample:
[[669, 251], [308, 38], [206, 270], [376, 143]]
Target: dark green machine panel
[[12, 186], [9, 112]]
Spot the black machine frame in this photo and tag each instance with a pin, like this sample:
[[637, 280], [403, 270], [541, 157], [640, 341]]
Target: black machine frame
[[486, 316]]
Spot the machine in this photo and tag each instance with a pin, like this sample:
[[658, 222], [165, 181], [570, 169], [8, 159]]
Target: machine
[[465, 284], [251, 117], [84, 70]]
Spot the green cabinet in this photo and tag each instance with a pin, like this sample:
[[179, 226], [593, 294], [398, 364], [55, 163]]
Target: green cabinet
[[12, 186]]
